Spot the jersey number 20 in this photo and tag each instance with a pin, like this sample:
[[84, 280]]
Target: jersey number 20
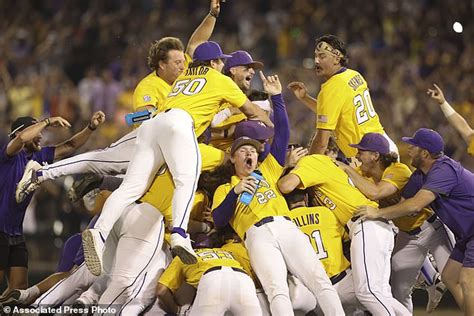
[[364, 108], [188, 86]]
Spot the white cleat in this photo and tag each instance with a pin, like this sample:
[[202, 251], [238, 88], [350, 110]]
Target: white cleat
[[182, 248], [13, 297], [29, 181], [93, 245], [435, 294]]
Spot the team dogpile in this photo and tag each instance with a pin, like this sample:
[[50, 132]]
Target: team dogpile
[[205, 208]]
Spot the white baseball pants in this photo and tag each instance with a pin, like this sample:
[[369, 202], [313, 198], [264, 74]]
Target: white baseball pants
[[167, 138], [410, 252], [111, 160], [371, 248], [132, 256], [279, 246], [225, 290], [72, 286]]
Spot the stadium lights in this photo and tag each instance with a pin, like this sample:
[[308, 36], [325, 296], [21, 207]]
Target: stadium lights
[[457, 27]]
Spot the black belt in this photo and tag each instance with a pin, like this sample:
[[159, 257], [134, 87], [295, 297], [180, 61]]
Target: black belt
[[338, 277], [220, 268], [417, 230], [269, 219]]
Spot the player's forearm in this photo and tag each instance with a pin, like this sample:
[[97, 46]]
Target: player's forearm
[[461, 125], [202, 33], [310, 103], [17, 143], [224, 212], [282, 129], [166, 298], [318, 147], [404, 208], [368, 188], [70, 145], [220, 117]]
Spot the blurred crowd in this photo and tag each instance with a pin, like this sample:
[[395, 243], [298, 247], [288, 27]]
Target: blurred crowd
[[71, 58]]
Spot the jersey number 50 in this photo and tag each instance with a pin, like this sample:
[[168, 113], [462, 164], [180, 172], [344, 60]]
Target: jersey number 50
[[364, 108], [188, 86]]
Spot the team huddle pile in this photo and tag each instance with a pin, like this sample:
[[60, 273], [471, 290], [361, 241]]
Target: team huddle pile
[[276, 227]]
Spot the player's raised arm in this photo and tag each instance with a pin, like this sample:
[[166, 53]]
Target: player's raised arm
[[204, 31], [454, 118], [301, 93]]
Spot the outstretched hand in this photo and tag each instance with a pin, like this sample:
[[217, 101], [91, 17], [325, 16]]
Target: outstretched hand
[[436, 94], [271, 84], [97, 119], [58, 121], [298, 89]]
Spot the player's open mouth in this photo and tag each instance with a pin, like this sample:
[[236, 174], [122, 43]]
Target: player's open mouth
[[248, 162]]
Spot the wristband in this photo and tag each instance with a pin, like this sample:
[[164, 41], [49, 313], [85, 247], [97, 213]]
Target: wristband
[[213, 14], [89, 126], [447, 109]]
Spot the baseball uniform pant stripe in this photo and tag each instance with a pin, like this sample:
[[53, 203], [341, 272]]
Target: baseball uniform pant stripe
[[136, 294], [157, 248], [365, 268], [197, 173], [121, 142]]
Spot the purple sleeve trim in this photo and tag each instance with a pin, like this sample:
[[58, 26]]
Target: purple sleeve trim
[[282, 129], [224, 212]]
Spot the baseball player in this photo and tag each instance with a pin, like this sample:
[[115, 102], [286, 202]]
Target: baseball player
[[170, 137], [264, 222], [444, 184], [167, 60], [343, 106], [222, 283], [23, 148], [371, 241], [383, 179], [454, 118], [327, 237]]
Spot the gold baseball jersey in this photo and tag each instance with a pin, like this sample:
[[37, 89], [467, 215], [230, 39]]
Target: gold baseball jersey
[[398, 174], [268, 200], [345, 107], [160, 193], [178, 272], [326, 235], [152, 90], [470, 149], [332, 186], [202, 92]]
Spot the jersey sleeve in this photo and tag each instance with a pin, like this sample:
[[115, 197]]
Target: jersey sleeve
[[220, 195], [308, 171], [441, 179], [329, 106], [211, 157], [397, 175], [173, 276], [232, 93], [143, 96]]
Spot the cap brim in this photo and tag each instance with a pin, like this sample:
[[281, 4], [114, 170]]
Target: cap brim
[[409, 140], [253, 142], [257, 65], [224, 56]]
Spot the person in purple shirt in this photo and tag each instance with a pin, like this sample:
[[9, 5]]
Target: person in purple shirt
[[25, 146], [443, 184]]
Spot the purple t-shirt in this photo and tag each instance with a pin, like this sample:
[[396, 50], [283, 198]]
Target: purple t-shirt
[[11, 171], [453, 186]]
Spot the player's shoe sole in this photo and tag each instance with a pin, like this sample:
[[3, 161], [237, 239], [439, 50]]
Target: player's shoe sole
[[181, 247], [10, 298], [29, 181], [435, 294], [92, 251]]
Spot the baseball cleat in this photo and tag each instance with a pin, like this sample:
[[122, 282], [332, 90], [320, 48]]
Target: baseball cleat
[[93, 245], [12, 297], [182, 248], [29, 181], [84, 185], [435, 294]]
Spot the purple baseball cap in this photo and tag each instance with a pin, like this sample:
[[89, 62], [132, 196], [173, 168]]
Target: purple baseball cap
[[241, 58], [253, 129], [244, 140], [373, 142], [426, 138], [208, 51]]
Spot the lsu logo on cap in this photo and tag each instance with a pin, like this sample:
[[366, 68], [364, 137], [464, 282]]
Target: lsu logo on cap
[[146, 98]]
